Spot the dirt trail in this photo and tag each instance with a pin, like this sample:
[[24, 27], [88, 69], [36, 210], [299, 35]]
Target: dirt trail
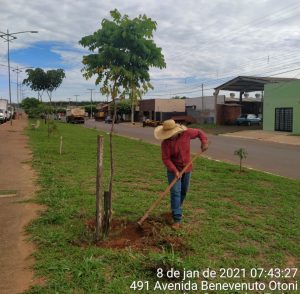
[[16, 185]]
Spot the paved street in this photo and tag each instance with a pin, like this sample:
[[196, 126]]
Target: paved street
[[277, 158]]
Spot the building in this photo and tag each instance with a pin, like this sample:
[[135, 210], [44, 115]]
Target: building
[[161, 109], [202, 109], [242, 85], [282, 107]]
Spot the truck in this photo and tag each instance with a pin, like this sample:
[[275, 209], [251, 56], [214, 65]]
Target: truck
[[3, 110], [75, 115]]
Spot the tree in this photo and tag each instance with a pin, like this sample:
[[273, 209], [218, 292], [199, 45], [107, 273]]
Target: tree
[[178, 97], [40, 80], [34, 108], [123, 52], [123, 107], [36, 80], [30, 102], [242, 154]]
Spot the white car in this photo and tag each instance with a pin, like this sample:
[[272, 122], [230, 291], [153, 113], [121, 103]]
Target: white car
[[3, 116]]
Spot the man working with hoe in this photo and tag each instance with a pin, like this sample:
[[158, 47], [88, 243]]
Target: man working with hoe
[[175, 148]]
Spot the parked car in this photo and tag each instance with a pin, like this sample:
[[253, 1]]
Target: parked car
[[108, 120], [3, 116], [248, 119], [3, 110]]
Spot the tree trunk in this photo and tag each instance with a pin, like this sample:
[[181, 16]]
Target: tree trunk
[[132, 104], [132, 112], [99, 186], [107, 221]]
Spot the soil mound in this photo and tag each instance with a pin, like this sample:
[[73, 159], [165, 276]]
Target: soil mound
[[148, 236]]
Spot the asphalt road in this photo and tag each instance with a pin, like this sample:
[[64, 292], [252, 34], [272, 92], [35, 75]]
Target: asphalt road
[[276, 158]]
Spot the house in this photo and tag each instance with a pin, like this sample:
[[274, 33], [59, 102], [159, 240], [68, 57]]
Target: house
[[282, 107], [243, 85], [161, 109]]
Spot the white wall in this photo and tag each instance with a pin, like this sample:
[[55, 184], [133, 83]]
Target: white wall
[[205, 103]]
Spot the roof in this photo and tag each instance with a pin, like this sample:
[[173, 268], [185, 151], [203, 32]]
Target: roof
[[250, 83]]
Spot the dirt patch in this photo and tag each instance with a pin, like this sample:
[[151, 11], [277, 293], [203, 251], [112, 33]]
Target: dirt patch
[[291, 261], [17, 178], [149, 236]]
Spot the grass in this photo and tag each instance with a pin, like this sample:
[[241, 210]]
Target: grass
[[232, 220]]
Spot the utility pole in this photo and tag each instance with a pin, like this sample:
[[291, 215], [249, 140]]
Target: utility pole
[[8, 37], [17, 71], [69, 101], [76, 98], [202, 97], [91, 102]]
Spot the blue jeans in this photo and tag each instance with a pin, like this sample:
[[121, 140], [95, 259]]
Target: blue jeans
[[178, 193]]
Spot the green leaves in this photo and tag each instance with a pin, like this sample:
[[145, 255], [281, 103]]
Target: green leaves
[[123, 52], [34, 108], [241, 152], [40, 80]]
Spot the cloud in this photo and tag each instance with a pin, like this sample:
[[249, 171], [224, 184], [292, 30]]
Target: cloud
[[207, 40]]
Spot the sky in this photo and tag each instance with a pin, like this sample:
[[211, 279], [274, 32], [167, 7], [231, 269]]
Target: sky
[[204, 42]]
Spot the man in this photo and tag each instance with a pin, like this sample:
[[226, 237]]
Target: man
[[175, 148]]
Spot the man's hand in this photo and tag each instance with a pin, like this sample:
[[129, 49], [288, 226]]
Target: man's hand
[[204, 147], [177, 174]]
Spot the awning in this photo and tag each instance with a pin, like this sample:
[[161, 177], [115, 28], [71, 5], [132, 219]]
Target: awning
[[250, 83]]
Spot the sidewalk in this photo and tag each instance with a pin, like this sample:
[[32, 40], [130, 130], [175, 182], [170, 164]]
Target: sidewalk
[[17, 185], [278, 137]]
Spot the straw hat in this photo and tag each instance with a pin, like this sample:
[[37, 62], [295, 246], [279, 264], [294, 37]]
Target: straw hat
[[168, 129]]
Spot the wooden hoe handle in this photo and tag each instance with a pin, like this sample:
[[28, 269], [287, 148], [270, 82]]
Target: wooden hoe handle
[[163, 194]]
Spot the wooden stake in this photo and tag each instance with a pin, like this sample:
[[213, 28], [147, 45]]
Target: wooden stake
[[99, 186], [61, 145]]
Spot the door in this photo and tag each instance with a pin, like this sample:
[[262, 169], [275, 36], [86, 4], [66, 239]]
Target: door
[[284, 119]]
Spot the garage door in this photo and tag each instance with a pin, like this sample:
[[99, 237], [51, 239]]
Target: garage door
[[284, 119]]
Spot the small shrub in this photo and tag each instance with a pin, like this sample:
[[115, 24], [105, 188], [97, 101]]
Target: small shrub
[[242, 154]]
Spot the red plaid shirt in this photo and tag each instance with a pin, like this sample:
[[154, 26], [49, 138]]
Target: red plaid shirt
[[176, 152]]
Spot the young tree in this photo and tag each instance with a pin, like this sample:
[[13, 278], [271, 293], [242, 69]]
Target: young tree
[[123, 52], [242, 154]]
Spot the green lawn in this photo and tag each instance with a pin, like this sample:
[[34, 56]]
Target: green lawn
[[231, 220]]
